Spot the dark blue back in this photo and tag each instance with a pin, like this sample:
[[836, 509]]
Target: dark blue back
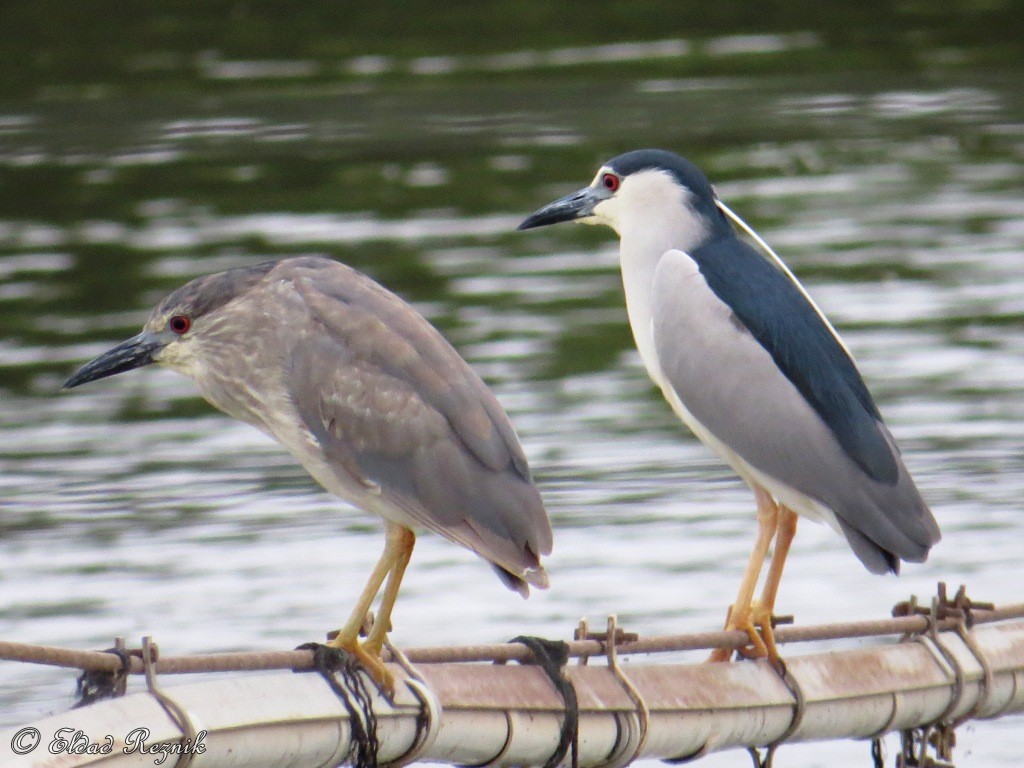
[[772, 308]]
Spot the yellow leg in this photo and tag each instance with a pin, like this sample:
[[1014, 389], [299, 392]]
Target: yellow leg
[[763, 609], [382, 624], [391, 565], [739, 614]]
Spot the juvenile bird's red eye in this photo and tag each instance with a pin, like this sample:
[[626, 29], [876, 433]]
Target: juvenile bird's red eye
[[179, 324], [610, 182]]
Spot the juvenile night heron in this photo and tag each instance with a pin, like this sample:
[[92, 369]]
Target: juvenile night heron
[[370, 399], [752, 366]]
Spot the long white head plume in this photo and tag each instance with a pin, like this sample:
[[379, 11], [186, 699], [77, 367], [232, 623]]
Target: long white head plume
[[782, 265]]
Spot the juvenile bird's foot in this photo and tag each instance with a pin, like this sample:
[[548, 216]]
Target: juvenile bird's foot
[[368, 655]]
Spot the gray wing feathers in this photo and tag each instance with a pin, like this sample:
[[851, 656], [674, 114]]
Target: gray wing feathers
[[730, 384], [381, 330], [397, 407]]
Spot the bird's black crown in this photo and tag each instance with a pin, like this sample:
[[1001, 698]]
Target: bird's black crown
[[686, 173]]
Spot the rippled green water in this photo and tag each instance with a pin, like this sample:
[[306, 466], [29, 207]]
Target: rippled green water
[[131, 508]]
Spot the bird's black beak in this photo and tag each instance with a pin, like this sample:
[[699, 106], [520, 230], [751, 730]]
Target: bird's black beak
[[133, 353], [578, 205]]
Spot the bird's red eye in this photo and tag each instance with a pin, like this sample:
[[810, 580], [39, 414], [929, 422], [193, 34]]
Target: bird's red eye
[[179, 324], [610, 182]]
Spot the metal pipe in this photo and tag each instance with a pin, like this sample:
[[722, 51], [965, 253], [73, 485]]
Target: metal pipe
[[510, 714]]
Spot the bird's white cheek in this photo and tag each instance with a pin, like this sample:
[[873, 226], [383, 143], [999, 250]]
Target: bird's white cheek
[[606, 212], [178, 357]]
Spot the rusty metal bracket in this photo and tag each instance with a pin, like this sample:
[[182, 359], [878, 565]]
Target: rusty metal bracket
[[915, 743], [177, 713], [627, 749], [611, 637], [582, 632], [940, 735], [960, 607]]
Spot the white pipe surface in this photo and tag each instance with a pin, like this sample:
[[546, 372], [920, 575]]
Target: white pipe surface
[[512, 714]]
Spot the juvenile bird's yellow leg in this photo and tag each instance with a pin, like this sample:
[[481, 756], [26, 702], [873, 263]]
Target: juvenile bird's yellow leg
[[762, 610], [397, 550], [739, 613], [382, 624]]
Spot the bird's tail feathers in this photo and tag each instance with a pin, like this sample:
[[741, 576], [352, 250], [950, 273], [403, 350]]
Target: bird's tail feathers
[[536, 577]]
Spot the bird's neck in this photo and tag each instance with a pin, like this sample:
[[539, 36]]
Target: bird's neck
[[643, 242]]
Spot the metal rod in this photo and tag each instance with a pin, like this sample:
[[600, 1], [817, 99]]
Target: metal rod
[[499, 652]]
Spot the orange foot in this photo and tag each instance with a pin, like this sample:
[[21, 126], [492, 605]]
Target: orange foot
[[762, 617], [756, 621]]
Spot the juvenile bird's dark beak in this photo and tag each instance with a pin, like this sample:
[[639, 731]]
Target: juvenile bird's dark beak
[[578, 205], [133, 353]]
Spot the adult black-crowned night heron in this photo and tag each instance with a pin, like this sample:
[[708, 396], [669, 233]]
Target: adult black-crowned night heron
[[752, 366], [370, 399]]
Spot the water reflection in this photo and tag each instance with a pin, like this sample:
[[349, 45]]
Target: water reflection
[[132, 508]]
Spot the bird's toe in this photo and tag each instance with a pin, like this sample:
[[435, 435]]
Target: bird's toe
[[368, 657], [756, 622]]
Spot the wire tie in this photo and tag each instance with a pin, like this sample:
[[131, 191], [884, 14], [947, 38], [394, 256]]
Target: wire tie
[[951, 660], [893, 714], [625, 753], [428, 719], [799, 710], [174, 710], [497, 759], [552, 656], [582, 633], [985, 694], [94, 685]]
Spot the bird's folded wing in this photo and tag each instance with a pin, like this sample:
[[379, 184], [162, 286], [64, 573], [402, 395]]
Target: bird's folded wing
[[768, 304], [766, 391], [393, 404]]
